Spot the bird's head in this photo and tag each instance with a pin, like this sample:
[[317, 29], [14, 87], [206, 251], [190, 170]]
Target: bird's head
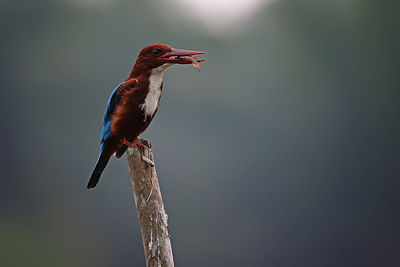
[[156, 55]]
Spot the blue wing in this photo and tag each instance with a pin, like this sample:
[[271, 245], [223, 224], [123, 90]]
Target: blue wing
[[111, 104], [113, 101]]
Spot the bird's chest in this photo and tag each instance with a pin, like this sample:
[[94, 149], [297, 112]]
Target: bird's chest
[[152, 98]]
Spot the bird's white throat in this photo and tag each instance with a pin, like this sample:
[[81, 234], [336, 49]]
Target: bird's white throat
[[153, 96]]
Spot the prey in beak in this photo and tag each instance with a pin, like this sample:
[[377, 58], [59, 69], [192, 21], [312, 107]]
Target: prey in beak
[[179, 56]]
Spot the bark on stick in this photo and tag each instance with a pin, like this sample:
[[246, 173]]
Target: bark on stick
[[150, 207]]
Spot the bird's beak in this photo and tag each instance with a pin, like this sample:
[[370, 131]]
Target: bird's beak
[[179, 56]]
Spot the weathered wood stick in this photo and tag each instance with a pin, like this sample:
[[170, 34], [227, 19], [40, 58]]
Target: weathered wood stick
[[150, 208]]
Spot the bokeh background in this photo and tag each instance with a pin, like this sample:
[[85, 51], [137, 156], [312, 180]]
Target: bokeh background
[[282, 151]]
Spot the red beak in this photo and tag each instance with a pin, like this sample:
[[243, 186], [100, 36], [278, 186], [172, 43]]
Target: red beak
[[180, 56], [181, 53]]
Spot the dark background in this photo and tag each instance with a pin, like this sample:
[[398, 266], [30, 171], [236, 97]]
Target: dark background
[[282, 151]]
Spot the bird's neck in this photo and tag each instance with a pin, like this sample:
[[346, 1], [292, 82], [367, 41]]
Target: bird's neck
[[142, 69], [139, 70]]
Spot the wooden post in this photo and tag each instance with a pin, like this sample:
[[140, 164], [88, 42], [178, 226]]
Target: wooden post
[[150, 207]]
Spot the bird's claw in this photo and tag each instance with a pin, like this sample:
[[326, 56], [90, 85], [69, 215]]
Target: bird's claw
[[130, 144], [139, 142], [126, 142]]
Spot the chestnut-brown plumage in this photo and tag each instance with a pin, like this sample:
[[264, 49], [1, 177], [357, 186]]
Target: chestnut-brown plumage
[[133, 104]]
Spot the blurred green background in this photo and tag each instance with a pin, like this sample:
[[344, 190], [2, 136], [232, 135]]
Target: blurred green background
[[282, 151]]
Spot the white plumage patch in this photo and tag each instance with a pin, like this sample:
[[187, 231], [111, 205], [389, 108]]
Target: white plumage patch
[[151, 101]]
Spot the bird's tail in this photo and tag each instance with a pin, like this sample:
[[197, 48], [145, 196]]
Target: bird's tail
[[98, 170]]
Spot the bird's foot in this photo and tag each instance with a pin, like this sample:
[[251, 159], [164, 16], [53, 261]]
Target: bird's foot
[[139, 142], [126, 142], [134, 142]]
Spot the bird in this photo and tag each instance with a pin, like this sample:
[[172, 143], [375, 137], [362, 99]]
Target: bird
[[133, 103]]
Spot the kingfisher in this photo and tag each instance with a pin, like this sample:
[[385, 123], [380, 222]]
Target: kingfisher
[[133, 103]]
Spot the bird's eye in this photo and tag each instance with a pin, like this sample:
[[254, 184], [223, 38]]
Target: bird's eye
[[156, 52]]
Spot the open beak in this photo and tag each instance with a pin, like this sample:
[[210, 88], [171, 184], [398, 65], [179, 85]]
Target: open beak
[[179, 56]]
